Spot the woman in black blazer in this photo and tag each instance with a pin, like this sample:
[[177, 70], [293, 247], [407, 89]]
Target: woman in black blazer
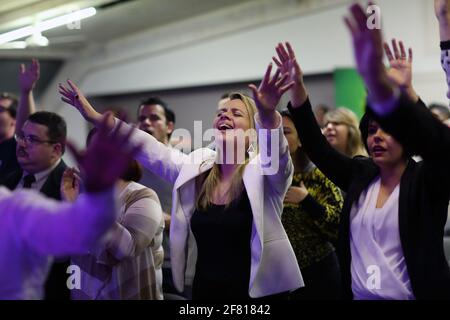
[[391, 232]]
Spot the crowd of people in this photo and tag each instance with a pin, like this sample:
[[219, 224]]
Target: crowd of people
[[320, 206]]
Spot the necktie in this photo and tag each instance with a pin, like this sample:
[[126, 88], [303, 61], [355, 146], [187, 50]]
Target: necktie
[[28, 180]]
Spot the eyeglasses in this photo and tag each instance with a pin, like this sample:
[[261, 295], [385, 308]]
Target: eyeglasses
[[32, 140]]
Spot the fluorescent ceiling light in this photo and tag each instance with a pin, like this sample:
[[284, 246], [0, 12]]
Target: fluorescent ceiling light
[[47, 25], [14, 45]]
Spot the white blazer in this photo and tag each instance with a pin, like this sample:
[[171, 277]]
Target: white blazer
[[274, 267]]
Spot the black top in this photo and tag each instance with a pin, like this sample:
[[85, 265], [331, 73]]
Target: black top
[[8, 159], [223, 242], [424, 191]]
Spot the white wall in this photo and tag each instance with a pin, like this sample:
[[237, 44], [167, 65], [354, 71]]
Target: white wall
[[235, 46]]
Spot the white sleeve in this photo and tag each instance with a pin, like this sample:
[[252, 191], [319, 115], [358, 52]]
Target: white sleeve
[[164, 161], [274, 155], [49, 227]]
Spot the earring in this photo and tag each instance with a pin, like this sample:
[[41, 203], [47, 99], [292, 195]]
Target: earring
[[251, 150]]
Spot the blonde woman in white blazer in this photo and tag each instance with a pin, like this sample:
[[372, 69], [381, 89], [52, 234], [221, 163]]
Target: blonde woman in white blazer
[[273, 268]]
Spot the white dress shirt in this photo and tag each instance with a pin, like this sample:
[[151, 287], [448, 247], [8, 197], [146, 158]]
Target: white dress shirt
[[378, 264], [40, 177]]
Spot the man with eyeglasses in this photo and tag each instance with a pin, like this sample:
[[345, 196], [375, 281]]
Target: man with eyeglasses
[[40, 142], [40, 146]]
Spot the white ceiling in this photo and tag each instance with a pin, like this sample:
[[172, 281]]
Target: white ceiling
[[114, 19]]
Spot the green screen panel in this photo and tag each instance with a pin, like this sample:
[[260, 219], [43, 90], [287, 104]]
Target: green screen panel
[[350, 90]]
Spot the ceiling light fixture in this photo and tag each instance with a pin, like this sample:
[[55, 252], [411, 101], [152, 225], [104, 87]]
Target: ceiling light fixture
[[47, 25]]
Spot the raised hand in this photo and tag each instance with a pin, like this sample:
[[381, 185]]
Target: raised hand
[[72, 95], [400, 71], [401, 66], [70, 184], [108, 156], [288, 64], [268, 94], [367, 43], [368, 51], [28, 76]]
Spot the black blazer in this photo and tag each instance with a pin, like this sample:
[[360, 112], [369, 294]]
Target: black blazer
[[51, 187], [424, 191]]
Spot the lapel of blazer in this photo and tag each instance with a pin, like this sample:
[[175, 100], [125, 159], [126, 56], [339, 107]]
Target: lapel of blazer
[[403, 223], [51, 187], [186, 179], [190, 171], [253, 182]]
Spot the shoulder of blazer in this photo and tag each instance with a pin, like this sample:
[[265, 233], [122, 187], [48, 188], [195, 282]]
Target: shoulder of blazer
[[199, 161], [51, 187], [411, 167]]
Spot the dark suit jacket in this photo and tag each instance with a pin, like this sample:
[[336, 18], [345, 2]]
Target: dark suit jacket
[[424, 191], [55, 286], [51, 186]]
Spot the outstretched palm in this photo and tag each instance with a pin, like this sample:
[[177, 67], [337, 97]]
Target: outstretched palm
[[73, 96], [288, 65], [400, 71], [28, 76], [367, 43], [368, 50], [269, 92]]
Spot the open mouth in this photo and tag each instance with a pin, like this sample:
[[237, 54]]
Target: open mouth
[[22, 154], [224, 127], [330, 137], [378, 150]]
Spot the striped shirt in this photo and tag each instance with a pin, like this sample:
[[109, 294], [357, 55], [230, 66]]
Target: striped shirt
[[128, 264]]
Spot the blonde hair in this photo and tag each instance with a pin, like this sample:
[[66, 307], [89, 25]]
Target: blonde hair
[[207, 185], [355, 146]]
